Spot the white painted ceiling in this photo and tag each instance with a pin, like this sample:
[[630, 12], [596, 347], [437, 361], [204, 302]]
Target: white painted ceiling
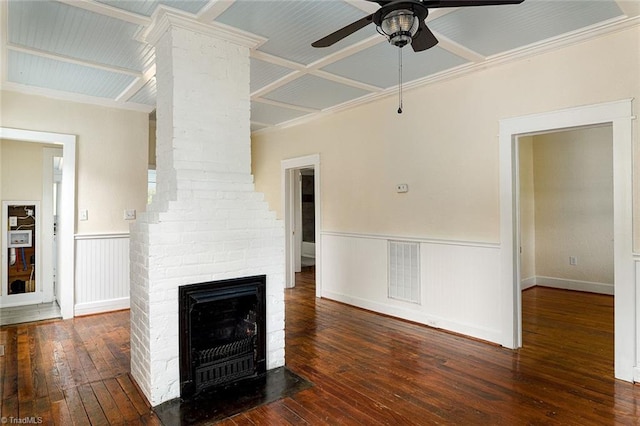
[[93, 50]]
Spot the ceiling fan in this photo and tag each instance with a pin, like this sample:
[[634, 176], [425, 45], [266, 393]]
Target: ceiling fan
[[402, 21]]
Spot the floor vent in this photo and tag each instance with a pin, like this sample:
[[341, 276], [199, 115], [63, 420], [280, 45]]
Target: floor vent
[[404, 271]]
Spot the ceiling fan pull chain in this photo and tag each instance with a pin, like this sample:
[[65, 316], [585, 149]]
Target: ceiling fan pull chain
[[400, 81]]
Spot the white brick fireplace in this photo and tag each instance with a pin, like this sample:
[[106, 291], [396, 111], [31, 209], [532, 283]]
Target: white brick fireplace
[[205, 223]]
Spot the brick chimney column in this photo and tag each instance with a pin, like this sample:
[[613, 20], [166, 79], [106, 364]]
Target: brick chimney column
[[205, 222]]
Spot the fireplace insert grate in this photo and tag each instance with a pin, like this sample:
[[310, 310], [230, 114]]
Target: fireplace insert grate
[[225, 363], [228, 350]]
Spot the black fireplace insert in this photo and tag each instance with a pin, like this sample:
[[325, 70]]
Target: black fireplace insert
[[222, 333]]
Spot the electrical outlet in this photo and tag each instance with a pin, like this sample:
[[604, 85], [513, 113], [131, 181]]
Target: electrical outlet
[[13, 221], [402, 187], [573, 260]]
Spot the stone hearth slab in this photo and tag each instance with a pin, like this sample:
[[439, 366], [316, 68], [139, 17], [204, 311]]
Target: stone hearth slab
[[218, 404]]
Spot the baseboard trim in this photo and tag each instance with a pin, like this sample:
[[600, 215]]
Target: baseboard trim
[[564, 284], [101, 306], [488, 335], [527, 283]]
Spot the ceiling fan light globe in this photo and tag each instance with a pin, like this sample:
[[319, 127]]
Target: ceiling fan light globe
[[399, 26]]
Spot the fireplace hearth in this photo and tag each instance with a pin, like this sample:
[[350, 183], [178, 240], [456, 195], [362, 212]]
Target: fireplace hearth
[[222, 333]]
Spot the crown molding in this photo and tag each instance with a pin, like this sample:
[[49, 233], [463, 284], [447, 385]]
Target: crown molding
[[163, 20]]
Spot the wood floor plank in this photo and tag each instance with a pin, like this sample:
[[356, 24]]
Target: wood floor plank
[[303, 412], [37, 363], [60, 413], [237, 420], [121, 399], [10, 407], [42, 410], [10, 381], [50, 371], [281, 411], [137, 400], [107, 403], [76, 407], [64, 373], [25, 378], [92, 405]]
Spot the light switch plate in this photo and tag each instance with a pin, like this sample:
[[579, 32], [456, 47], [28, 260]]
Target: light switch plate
[[84, 214]]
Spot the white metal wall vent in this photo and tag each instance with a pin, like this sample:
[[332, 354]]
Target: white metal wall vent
[[404, 271]]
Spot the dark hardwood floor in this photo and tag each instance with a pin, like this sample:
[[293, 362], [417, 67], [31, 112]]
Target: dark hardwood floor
[[366, 368]]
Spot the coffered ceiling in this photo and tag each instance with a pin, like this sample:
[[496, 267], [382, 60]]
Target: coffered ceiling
[[94, 50]]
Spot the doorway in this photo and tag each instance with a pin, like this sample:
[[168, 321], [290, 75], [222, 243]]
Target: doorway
[[566, 234], [619, 116], [64, 291], [292, 172]]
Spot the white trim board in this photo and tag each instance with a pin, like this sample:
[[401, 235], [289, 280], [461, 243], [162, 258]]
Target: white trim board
[[416, 239], [90, 308]]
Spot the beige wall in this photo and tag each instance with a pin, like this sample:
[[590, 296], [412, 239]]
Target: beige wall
[[573, 175], [445, 145], [111, 161], [21, 170]]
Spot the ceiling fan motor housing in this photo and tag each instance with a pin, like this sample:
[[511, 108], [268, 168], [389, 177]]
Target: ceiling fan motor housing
[[400, 21]]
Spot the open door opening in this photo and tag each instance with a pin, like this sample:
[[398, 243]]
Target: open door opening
[[302, 217], [566, 259], [63, 264]]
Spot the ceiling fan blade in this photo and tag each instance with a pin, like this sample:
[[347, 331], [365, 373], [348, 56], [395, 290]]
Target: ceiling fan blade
[[343, 32], [424, 38], [464, 3]]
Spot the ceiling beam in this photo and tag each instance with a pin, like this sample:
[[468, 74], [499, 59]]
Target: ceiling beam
[[284, 105], [68, 59], [347, 51], [458, 49], [346, 81], [106, 10], [137, 84], [276, 84], [213, 9]]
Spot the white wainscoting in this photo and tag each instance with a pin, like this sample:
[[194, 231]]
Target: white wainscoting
[[460, 281], [102, 273]]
